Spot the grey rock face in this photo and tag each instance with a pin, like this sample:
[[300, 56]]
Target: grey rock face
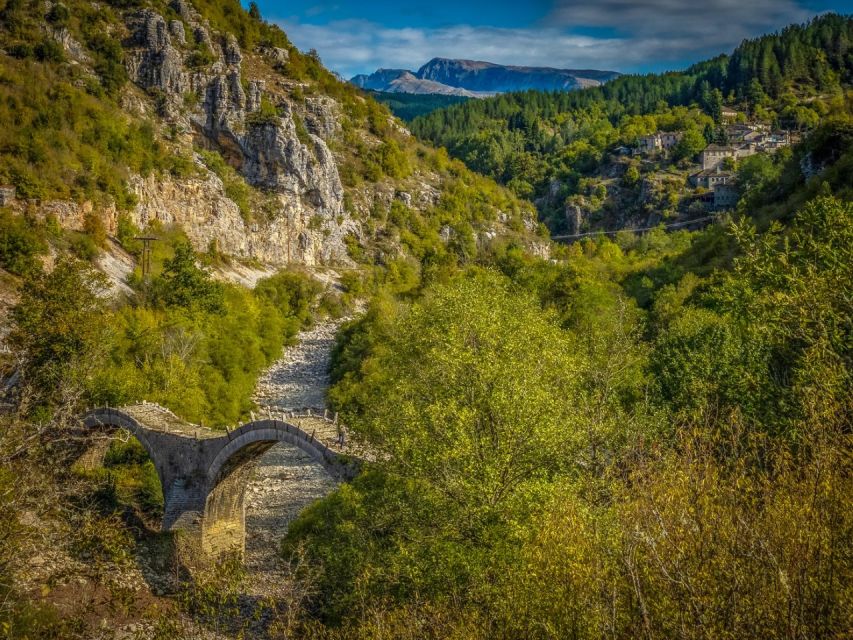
[[158, 65], [276, 55], [574, 218], [73, 48], [177, 31], [276, 159], [202, 36], [253, 98], [185, 10], [303, 174], [321, 117], [233, 56]]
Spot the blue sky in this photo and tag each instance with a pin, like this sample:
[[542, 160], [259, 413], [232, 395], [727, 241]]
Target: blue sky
[[620, 35]]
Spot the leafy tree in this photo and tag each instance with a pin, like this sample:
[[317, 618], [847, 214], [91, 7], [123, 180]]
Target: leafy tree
[[20, 244], [691, 143], [457, 404], [59, 333], [632, 175], [183, 284]]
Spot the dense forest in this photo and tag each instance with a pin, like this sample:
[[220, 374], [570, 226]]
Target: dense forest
[[535, 140], [408, 106], [634, 435]]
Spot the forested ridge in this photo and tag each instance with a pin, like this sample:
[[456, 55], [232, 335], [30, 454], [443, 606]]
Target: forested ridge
[[630, 435], [532, 141]]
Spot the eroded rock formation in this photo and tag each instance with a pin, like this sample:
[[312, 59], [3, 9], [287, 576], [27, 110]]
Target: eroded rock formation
[[300, 171]]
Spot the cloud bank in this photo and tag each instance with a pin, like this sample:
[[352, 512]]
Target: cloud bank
[[641, 35]]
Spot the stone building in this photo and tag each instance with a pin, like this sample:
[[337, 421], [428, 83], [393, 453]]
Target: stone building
[[710, 178], [726, 195], [658, 142], [714, 154], [729, 115], [7, 195]]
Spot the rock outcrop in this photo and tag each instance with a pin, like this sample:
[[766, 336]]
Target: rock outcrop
[[268, 150], [202, 208]]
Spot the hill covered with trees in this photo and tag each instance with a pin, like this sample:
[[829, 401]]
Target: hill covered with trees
[[408, 106], [543, 145]]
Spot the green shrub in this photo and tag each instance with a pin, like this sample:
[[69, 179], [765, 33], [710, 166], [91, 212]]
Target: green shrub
[[83, 246], [265, 115], [20, 244]]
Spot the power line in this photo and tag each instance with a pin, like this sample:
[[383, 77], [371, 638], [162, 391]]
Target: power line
[[604, 233]]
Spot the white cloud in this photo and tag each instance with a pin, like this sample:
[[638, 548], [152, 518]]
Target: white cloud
[[680, 25], [357, 46], [647, 33]]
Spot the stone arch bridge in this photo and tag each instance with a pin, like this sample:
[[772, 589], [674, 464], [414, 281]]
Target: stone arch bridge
[[204, 473]]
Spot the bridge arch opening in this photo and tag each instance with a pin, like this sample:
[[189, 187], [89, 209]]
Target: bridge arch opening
[[204, 474], [129, 479], [223, 525], [234, 468], [286, 480]]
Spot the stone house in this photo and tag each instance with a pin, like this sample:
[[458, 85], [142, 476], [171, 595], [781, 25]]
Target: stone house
[[668, 139], [744, 133], [714, 154], [729, 115], [726, 195], [775, 140], [710, 178], [7, 195], [658, 142]]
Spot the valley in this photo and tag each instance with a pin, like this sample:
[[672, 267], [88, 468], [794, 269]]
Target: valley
[[471, 351]]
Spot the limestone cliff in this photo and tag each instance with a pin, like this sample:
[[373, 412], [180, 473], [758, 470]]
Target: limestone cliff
[[280, 161], [309, 224]]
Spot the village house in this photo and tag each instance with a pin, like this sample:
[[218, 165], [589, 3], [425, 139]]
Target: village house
[[7, 195], [722, 196], [775, 141], [729, 115], [710, 178], [743, 133], [758, 136], [657, 142], [714, 154], [726, 195]]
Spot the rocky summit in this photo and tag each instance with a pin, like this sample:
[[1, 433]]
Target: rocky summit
[[472, 78]]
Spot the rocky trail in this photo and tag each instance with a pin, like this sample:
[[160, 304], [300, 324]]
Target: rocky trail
[[286, 480], [300, 378]]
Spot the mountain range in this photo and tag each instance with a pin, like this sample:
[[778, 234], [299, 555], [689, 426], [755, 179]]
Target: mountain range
[[476, 79]]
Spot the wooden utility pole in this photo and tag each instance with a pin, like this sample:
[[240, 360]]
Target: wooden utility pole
[[146, 254]]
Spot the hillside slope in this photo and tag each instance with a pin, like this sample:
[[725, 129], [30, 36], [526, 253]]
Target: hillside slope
[[558, 148], [202, 116]]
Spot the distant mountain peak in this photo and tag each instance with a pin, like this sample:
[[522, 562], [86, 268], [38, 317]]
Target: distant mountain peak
[[477, 78]]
